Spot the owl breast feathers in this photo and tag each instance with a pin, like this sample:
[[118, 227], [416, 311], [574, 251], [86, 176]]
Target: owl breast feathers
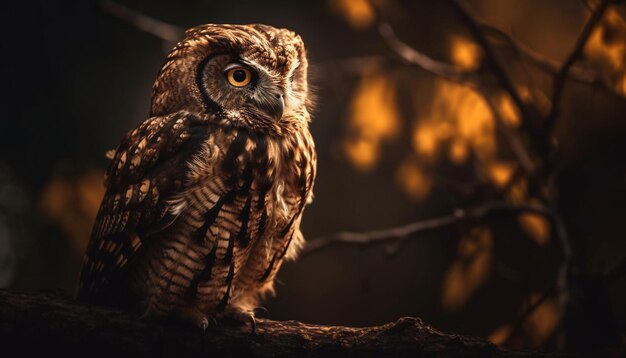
[[204, 198]]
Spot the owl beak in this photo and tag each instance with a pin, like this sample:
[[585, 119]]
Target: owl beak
[[274, 106]]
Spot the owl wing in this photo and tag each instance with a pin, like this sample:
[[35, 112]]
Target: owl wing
[[147, 171]]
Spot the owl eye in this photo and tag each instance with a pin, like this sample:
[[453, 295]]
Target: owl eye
[[238, 76]]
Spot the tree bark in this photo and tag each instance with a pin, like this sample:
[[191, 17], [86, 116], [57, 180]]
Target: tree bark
[[50, 324]]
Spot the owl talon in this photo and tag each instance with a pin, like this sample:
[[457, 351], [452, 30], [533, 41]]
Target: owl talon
[[203, 323], [252, 324], [262, 309], [245, 317], [199, 319]]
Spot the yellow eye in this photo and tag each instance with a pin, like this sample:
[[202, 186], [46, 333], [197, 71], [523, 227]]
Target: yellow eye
[[239, 76]]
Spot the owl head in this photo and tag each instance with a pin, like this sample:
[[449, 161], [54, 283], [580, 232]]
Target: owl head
[[243, 75]]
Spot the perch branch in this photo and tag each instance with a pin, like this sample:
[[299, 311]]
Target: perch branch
[[390, 235], [47, 323]]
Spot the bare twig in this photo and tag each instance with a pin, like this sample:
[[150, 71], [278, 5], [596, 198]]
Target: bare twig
[[157, 28], [511, 136], [470, 78], [452, 73], [412, 56], [561, 76], [579, 74], [387, 236], [492, 60]]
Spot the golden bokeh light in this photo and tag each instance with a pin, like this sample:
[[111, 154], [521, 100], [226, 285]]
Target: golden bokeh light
[[359, 14], [428, 135], [518, 192], [500, 334], [536, 227], [509, 112], [543, 321], [412, 178], [72, 204], [470, 271], [465, 54], [458, 151], [606, 49], [500, 172], [457, 117], [373, 120]]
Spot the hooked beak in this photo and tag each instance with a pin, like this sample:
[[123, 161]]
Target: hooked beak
[[274, 106]]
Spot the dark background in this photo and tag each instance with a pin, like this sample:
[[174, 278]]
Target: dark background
[[76, 79]]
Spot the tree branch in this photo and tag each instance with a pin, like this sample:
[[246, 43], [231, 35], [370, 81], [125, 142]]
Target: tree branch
[[561, 76], [47, 323], [390, 235], [492, 60], [578, 74], [454, 74], [412, 56], [162, 30]]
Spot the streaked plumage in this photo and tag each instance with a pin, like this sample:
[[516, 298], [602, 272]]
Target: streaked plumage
[[204, 198]]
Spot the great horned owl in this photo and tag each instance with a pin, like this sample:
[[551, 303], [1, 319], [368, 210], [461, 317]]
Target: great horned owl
[[204, 198]]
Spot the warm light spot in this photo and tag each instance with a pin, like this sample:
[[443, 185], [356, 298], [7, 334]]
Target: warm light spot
[[475, 123], [90, 190], [458, 151], [508, 111], [413, 180], [606, 49], [373, 120], [428, 135], [539, 100], [500, 173], [466, 54], [605, 43], [362, 153], [470, 271], [543, 321], [536, 226], [358, 13], [72, 203], [425, 140], [456, 112], [500, 334], [518, 192]]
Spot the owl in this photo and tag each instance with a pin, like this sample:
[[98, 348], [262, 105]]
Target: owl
[[204, 199]]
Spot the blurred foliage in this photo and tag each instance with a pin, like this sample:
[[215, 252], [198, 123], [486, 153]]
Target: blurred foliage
[[471, 269], [372, 120], [606, 50], [72, 203], [454, 127], [359, 14]]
